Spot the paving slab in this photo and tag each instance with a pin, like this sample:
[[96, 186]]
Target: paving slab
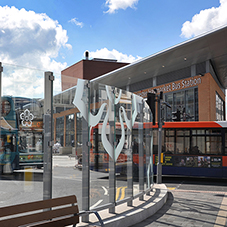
[[190, 208]]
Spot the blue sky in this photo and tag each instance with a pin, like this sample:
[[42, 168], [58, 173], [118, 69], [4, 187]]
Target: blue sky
[[54, 34]]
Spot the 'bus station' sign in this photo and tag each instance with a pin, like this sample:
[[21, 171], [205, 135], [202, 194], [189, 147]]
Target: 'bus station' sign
[[177, 85]]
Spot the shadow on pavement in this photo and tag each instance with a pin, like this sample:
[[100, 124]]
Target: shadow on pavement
[[159, 213]]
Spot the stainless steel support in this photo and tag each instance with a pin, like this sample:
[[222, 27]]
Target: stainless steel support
[[48, 135], [86, 157], [129, 158], [85, 169], [141, 151], [159, 165], [1, 70], [112, 163], [129, 176], [112, 169]]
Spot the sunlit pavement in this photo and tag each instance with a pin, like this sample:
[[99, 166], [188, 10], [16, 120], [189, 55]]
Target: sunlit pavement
[[64, 161], [190, 208]]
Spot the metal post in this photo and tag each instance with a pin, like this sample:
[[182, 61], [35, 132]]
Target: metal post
[[141, 152], [48, 135], [159, 165], [129, 157], [112, 163], [1, 70], [85, 169], [86, 155]]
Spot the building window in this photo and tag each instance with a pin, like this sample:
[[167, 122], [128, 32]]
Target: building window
[[60, 130], [189, 102], [70, 131], [186, 102], [196, 104], [169, 99], [219, 108]]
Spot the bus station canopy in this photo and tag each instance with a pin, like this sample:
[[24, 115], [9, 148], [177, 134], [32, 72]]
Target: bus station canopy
[[209, 46]]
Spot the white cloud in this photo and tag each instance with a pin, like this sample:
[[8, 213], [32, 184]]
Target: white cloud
[[32, 40], [114, 54], [114, 5], [27, 37], [206, 20], [76, 22]]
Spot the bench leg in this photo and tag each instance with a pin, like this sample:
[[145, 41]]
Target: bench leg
[[100, 219], [96, 214]]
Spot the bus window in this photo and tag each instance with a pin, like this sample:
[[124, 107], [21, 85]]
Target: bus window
[[169, 132], [169, 141], [180, 145], [213, 144], [182, 141], [198, 131], [183, 132], [213, 132], [198, 145]]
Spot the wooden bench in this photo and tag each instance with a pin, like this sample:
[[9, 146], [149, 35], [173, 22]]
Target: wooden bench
[[45, 213]]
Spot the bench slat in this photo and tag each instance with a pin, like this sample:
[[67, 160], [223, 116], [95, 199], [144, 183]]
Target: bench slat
[[41, 216], [59, 223], [37, 205]]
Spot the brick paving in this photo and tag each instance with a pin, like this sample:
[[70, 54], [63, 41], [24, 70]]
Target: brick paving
[[188, 208]]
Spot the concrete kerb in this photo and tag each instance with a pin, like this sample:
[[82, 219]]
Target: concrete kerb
[[130, 215]]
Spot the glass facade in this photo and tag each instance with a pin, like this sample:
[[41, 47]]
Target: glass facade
[[186, 102], [92, 130], [106, 126], [220, 112]]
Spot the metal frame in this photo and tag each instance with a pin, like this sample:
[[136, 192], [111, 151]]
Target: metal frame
[[85, 159], [1, 70], [48, 135]]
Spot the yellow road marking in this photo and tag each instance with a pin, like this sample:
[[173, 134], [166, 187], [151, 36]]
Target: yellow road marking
[[120, 192], [123, 193], [171, 188]]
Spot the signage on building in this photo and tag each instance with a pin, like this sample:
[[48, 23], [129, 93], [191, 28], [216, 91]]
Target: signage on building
[[177, 85]]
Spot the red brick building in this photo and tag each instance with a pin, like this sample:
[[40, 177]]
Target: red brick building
[[87, 70]]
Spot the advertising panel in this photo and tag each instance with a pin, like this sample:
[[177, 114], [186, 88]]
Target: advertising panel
[[216, 162], [191, 161]]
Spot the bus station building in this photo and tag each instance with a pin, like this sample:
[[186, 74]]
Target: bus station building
[[192, 76]]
